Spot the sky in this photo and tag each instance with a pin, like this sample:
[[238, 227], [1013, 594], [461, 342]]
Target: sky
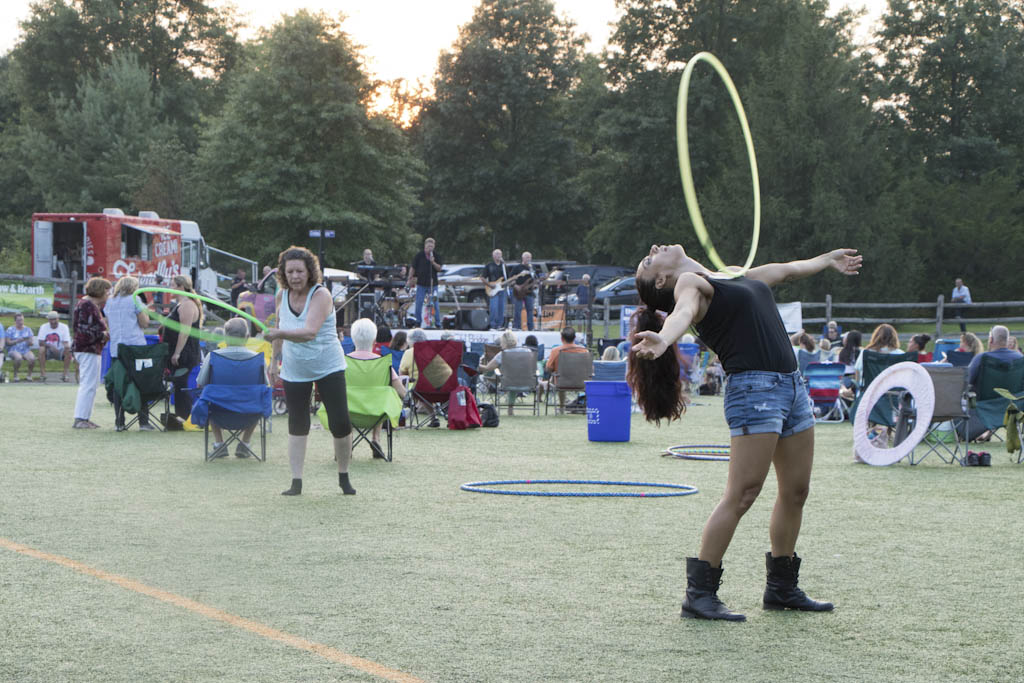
[[402, 38]]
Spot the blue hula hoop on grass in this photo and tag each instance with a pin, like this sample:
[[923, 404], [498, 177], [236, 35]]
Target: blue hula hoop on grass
[[483, 487], [699, 452]]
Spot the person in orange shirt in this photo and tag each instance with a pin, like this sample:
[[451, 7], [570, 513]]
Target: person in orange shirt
[[569, 345]]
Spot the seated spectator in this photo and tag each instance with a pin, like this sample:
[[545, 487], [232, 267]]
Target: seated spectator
[[236, 330], [883, 340], [54, 341], [382, 344], [848, 356], [407, 368], [714, 378], [366, 336], [970, 342], [611, 353], [998, 347], [825, 351], [833, 332], [568, 345], [399, 342], [507, 341], [1010, 344], [19, 343], [917, 345], [531, 342]]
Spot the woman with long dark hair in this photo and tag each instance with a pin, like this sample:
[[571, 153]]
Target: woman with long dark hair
[[766, 405]]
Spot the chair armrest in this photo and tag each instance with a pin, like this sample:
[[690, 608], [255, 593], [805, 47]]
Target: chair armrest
[[972, 399]]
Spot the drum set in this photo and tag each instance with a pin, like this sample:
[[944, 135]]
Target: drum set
[[382, 297]]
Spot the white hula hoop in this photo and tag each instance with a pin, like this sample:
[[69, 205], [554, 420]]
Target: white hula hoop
[[914, 379]]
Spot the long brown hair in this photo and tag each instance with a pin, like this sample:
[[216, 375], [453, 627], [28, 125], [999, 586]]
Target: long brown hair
[[656, 383], [183, 283], [884, 337]]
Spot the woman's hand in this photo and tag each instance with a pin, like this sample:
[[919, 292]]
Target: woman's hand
[[846, 261], [271, 334], [175, 358], [650, 345]]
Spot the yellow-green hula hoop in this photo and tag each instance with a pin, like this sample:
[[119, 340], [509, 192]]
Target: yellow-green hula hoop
[[683, 149], [190, 331]]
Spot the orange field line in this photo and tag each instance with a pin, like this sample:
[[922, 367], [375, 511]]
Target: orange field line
[[259, 629]]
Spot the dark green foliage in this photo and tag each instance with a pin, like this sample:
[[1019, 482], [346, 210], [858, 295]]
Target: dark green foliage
[[501, 159], [294, 148]]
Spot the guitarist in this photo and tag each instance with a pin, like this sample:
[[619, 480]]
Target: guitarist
[[495, 275], [524, 292]]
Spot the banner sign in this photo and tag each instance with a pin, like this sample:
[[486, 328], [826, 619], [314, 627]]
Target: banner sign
[[25, 297]]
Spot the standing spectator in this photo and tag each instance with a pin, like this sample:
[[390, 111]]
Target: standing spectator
[[424, 269], [127, 326], [238, 286], [54, 341], [90, 336], [961, 295], [583, 291], [184, 346], [19, 342], [236, 331], [306, 342]]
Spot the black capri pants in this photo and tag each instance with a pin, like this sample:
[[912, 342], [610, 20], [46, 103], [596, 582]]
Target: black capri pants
[[332, 394]]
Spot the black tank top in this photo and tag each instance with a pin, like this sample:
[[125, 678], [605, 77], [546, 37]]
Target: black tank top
[[190, 356], [743, 326]]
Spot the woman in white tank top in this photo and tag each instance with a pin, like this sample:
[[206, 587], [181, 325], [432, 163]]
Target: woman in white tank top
[[306, 343]]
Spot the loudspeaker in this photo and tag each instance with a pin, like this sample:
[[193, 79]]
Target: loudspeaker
[[365, 305], [475, 319]]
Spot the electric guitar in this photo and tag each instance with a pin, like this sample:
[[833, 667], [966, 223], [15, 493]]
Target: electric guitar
[[523, 287], [495, 288]]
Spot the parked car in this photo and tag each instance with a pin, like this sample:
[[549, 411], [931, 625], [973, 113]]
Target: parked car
[[447, 290], [599, 275]]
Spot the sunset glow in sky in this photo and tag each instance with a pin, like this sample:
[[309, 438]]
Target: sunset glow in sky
[[402, 38]]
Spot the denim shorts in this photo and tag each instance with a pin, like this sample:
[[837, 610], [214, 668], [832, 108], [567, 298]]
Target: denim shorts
[[760, 402]]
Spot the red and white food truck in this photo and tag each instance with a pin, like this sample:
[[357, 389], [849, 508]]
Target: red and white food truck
[[110, 245]]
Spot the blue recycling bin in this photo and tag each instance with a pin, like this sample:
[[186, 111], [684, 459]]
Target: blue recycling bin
[[608, 411]]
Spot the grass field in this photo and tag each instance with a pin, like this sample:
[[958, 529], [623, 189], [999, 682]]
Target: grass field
[[414, 575]]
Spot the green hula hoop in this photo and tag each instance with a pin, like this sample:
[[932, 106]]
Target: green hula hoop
[[686, 172], [192, 331]]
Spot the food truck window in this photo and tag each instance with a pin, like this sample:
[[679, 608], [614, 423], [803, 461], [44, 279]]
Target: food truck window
[[135, 243]]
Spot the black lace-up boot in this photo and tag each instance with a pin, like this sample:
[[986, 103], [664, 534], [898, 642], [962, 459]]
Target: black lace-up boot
[[782, 591], [701, 602]]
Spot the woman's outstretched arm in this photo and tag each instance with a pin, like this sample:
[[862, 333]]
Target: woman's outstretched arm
[[846, 261]]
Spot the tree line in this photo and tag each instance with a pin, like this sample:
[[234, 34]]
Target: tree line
[[908, 148]]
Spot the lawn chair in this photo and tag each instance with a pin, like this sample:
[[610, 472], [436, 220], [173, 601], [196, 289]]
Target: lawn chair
[[469, 375], [990, 407], [874, 363], [610, 371], [944, 346], [437, 363], [236, 398], [518, 376], [959, 359], [137, 380], [949, 417], [372, 400], [574, 369], [823, 383]]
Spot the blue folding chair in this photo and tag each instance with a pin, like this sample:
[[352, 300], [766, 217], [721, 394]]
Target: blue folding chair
[[959, 359], [609, 371], [944, 346], [823, 383], [236, 398]]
